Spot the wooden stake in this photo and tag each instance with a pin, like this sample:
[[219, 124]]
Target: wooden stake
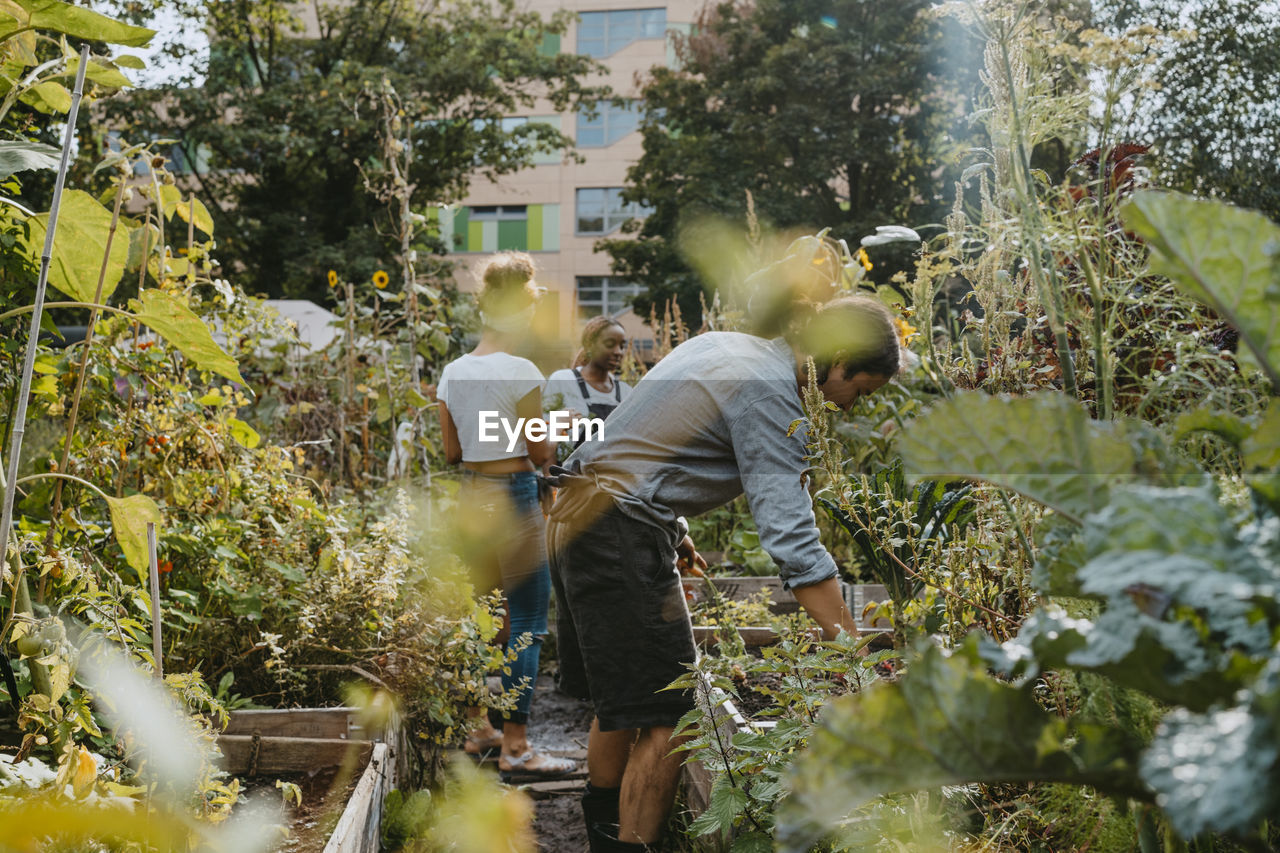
[[155, 598]]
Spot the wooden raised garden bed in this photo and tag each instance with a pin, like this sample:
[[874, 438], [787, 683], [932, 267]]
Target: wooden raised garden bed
[[856, 596], [275, 743]]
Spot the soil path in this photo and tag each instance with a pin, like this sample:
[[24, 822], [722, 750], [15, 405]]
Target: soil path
[[559, 726]]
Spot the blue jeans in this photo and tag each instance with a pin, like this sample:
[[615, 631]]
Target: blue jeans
[[520, 551]]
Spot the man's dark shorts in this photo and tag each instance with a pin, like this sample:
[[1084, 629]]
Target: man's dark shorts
[[623, 631]]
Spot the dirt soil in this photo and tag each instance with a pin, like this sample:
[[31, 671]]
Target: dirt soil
[[558, 824], [751, 702], [311, 823]]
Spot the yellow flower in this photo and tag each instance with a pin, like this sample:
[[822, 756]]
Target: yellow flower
[[380, 279], [864, 260], [906, 331], [333, 278]]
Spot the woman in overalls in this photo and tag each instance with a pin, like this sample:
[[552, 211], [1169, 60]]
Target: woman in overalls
[[591, 388]]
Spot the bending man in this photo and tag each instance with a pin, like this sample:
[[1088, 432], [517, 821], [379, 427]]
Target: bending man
[[706, 425]]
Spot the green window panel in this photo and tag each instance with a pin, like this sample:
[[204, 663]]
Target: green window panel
[[550, 44], [475, 237], [513, 234], [488, 237], [534, 229], [461, 231]]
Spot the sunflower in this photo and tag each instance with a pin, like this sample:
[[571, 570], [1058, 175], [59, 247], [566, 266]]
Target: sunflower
[[380, 279], [333, 278], [864, 260], [906, 331]]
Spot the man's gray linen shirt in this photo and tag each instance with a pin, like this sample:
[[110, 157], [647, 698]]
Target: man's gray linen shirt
[[707, 424]]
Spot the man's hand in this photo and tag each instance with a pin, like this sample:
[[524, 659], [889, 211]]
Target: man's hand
[[688, 560]]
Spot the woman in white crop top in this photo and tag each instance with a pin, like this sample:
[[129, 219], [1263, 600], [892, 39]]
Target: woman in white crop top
[[499, 496]]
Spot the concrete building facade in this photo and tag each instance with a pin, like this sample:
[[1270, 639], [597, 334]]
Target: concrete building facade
[[558, 208]]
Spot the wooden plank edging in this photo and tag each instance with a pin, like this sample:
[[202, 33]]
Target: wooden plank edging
[[336, 723], [360, 826]]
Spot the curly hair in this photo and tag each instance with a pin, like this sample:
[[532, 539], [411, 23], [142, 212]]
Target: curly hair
[[507, 285]]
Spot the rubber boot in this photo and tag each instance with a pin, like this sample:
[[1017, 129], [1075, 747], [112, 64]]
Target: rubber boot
[[603, 838], [599, 807]]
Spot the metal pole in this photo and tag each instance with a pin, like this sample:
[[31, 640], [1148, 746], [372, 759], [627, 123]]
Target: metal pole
[[28, 364], [155, 598]]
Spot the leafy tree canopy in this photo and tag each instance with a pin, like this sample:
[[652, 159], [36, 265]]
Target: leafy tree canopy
[[1215, 119], [284, 117], [830, 113]]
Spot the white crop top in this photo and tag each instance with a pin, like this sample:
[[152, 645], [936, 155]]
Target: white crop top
[[496, 382]]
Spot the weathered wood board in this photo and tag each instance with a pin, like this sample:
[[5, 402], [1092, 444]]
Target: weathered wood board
[[360, 826], [245, 755], [336, 723], [339, 725]]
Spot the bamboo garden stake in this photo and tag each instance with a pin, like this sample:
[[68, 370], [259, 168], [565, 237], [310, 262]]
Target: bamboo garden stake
[[28, 363], [155, 597]]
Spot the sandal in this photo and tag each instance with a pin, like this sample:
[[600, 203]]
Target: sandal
[[550, 767], [485, 748]]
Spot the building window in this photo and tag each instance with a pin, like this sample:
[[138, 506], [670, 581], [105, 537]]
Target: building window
[[604, 294], [610, 124], [602, 34], [500, 213], [601, 210]]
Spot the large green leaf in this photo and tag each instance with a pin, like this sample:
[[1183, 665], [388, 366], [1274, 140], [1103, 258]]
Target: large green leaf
[[945, 723], [76, 21], [80, 245], [173, 320], [1188, 607], [1226, 256], [1220, 771], [19, 156], [129, 517], [1044, 446], [103, 72], [48, 97]]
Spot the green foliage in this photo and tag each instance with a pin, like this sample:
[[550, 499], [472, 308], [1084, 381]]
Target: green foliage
[[1218, 771], [894, 525], [129, 519], [1056, 455], [75, 21], [468, 813], [1187, 616], [178, 324], [21, 156], [308, 126], [826, 113], [84, 227], [945, 723], [1223, 256], [1210, 111], [800, 677]]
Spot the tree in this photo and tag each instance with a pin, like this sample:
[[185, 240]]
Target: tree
[[286, 115], [830, 113], [1214, 121]]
